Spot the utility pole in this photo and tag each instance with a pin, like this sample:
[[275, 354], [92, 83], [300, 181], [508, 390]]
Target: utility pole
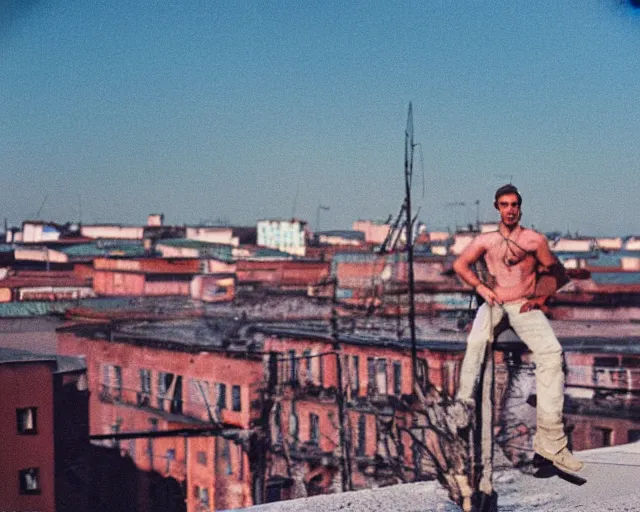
[[345, 446], [408, 174]]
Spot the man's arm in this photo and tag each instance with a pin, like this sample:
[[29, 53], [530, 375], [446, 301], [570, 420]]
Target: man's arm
[[462, 267], [553, 276], [551, 268]]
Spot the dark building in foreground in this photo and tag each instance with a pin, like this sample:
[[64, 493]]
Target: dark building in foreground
[[44, 430]]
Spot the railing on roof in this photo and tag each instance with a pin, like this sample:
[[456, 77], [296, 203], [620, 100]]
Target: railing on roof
[[599, 378], [604, 378]]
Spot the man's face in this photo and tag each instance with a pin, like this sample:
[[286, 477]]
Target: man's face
[[509, 209]]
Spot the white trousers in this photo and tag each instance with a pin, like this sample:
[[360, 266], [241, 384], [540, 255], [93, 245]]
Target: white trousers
[[534, 330]]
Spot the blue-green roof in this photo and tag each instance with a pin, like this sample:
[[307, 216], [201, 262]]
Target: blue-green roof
[[268, 252], [39, 308], [101, 248]]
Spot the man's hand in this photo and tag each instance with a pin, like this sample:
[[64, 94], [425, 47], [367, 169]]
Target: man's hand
[[487, 294], [537, 303]]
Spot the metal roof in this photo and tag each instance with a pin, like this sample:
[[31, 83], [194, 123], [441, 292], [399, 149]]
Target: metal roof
[[101, 248]]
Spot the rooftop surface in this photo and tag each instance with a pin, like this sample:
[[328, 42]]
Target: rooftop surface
[[612, 476], [216, 331], [63, 363]]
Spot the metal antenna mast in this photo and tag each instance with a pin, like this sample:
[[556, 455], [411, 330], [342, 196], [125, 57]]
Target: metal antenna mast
[[408, 174], [41, 206]]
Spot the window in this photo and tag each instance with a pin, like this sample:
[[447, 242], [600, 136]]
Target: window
[[29, 481], [164, 383], [171, 456], [381, 376], [314, 429], [236, 403], [144, 395], [202, 458], [371, 374], [355, 375], [362, 436], [106, 377], [422, 373], [176, 396], [321, 371], [397, 378], [308, 374], [115, 429], [117, 382], [601, 437], [226, 455], [293, 370], [111, 387], [27, 420], [222, 396], [293, 426], [346, 372], [170, 390], [199, 398], [240, 463], [202, 495], [634, 435]]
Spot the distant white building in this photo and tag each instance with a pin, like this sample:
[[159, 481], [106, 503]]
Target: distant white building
[[117, 231], [461, 241], [610, 243], [630, 263], [439, 236], [573, 245], [374, 232], [211, 234], [155, 219], [633, 244], [36, 232], [284, 235], [355, 238]]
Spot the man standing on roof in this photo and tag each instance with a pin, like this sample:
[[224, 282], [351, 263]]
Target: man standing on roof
[[513, 256]]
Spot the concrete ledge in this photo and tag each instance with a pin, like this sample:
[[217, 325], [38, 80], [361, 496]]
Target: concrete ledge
[[612, 477]]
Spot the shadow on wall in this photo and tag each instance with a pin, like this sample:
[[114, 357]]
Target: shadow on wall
[[116, 484], [101, 480]]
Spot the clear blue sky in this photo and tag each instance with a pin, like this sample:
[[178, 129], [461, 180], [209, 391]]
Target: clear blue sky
[[231, 109]]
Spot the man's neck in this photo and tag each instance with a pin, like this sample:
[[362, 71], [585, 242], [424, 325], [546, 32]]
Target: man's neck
[[507, 231]]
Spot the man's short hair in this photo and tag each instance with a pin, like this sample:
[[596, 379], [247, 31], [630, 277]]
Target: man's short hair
[[507, 189]]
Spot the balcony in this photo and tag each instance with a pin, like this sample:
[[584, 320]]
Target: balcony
[[605, 379]]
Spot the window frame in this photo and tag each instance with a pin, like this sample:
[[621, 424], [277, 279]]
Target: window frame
[[236, 398], [22, 474], [314, 429], [20, 429], [221, 398], [397, 378]]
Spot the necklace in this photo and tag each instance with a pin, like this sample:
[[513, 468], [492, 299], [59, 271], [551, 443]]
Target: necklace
[[514, 253]]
